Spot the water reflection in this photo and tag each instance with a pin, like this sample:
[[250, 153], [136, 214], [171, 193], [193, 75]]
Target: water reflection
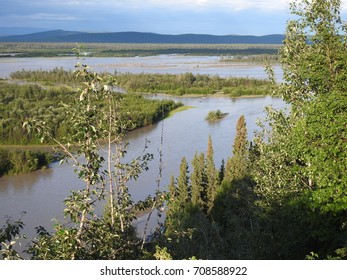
[[22, 183]]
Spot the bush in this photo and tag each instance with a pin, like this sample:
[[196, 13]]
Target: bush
[[215, 115], [16, 162]]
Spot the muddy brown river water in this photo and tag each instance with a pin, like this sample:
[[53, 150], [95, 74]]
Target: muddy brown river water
[[40, 194]]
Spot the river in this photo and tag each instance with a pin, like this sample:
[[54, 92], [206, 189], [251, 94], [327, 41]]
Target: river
[[40, 194], [172, 64]]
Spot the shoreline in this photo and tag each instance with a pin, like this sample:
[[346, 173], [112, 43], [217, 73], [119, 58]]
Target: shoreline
[[49, 148], [214, 95]]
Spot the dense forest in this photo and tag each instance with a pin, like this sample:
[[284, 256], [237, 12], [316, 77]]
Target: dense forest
[[20, 102], [281, 196]]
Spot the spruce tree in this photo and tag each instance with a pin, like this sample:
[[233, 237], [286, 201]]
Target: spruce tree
[[221, 172], [173, 207], [183, 188], [238, 165], [212, 174], [199, 182], [172, 188], [179, 200]]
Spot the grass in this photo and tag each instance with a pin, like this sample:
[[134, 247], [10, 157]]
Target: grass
[[179, 109]]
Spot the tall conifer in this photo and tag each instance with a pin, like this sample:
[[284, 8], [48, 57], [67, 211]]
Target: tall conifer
[[183, 188], [237, 165], [172, 188], [199, 181], [212, 174]]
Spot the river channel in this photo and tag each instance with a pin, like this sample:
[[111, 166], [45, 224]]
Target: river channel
[[40, 194], [172, 64]]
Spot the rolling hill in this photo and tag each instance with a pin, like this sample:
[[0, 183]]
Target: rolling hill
[[141, 37]]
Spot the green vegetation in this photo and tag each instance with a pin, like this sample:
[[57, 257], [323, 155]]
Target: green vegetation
[[127, 50], [189, 84], [17, 162], [179, 109], [19, 103], [94, 115], [253, 58], [182, 84], [215, 115], [282, 196], [237, 166], [56, 76]]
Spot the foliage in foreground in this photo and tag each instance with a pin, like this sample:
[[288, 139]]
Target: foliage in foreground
[[85, 233], [301, 165], [283, 197]]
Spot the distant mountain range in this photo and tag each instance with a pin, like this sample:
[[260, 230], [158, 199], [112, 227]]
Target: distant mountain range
[[141, 37]]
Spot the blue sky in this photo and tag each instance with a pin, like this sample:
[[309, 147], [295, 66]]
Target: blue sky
[[220, 17]]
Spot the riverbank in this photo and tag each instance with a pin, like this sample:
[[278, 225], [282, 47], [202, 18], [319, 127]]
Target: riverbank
[[184, 134], [52, 93], [13, 162], [22, 102], [179, 109], [212, 95], [249, 52]]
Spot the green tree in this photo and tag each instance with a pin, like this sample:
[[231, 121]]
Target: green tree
[[9, 236], [221, 172], [199, 182], [301, 162], [314, 52], [179, 200], [189, 231], [88, 235], [172, 189], [211, 173], [183, 187], [320, 134], [237, 166]]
